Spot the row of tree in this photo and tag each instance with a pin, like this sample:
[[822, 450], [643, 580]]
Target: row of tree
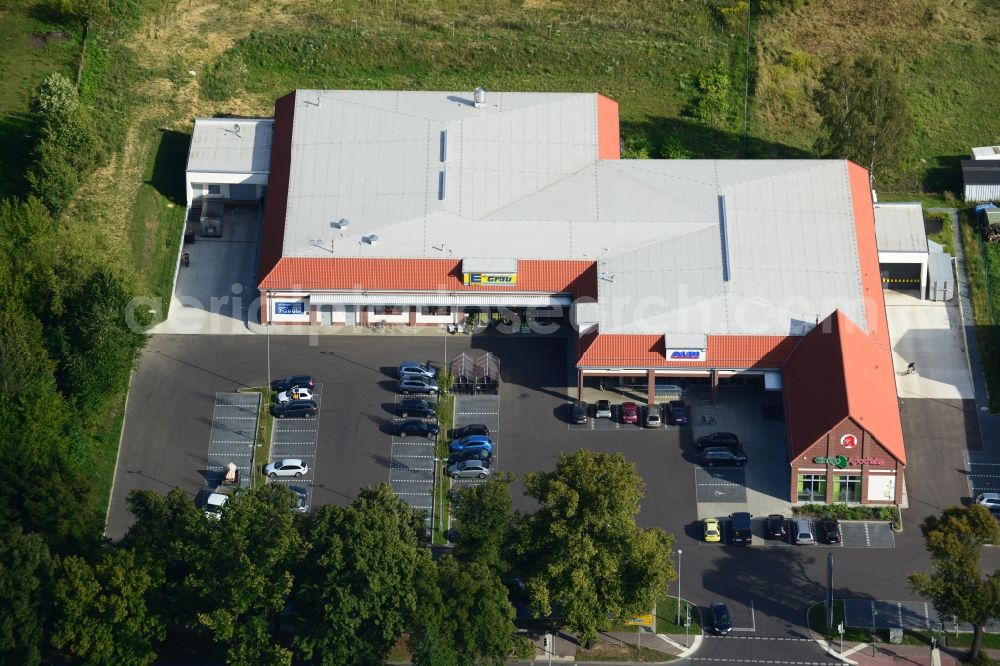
[[342, 585]]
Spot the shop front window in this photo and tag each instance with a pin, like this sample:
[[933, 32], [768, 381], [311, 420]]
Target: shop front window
[[812, 487], [847, 488], [387, 310], [435, 310]]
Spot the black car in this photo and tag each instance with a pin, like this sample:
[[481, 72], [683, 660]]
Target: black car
[[417, 427], [776, 526], [280, 385], [304, 408], [470, 430], [677, 412], [416, 407], [720, 455], [722, 624], [727, 439], [828, 530], [580, 412], [471, 454]]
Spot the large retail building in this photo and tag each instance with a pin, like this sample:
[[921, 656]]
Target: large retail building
[[419, 208]]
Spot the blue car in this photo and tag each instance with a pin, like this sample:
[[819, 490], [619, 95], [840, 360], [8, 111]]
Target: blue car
[[473, 442]]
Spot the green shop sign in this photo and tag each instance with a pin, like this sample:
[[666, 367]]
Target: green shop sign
[[837, 461]]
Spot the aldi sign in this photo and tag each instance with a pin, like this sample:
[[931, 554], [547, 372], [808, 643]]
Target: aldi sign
[[289, 308], [686, 354], [490, 279]]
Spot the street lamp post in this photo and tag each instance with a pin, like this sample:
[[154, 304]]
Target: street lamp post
[[679, 553]]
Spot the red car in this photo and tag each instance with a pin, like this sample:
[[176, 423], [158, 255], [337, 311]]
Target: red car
[[630, 413]]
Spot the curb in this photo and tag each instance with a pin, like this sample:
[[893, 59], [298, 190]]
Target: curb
[[685, 652]]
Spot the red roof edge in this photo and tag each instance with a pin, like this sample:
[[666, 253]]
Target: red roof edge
[[277, 186], [608, 133]]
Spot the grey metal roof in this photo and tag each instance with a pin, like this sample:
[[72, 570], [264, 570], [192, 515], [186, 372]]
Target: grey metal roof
[[981, 172], [523, 181], [231, 145], [899, 227]]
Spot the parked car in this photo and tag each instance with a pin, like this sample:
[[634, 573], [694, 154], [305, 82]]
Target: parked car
[[416, 407], [603, 409], [776, 526], [990, 500], [828, 530], [304, 408], [581, 412], [486, 455], [630, 413], [721, 622], [305, 381], [301, 495], [470, 430], [287, 467], [802, 531], [653, 418], [416, 369], [475, 441], [295, 393], [414, 384], [677, 412], [469, 469], [741, 528], [720, 455], [727, 439], [710, 527], [417, 427]]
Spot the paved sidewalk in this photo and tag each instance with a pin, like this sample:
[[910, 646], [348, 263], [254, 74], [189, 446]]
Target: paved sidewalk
[[898, 654]]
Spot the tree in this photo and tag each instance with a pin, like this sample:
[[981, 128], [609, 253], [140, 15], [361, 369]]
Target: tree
[[582, 550], [431, 642], [25, 596], [247, 577], [865, 115], [482, 515], [55, 99], [357, 591], [103, 616], [170, 537], [68, 149], [478, 617], [957, 586], [93, 343]]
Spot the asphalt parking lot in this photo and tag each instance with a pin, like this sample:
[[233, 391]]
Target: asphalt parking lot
[[296, 438], [169, 416]]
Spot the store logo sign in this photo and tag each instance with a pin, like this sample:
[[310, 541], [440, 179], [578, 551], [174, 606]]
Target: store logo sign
[[686, 354], [848, 441], [496, 279], [857, 462], [840, 462]]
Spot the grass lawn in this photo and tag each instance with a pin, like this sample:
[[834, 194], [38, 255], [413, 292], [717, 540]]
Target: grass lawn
[[982, 266], [34, 47], [442, 485]]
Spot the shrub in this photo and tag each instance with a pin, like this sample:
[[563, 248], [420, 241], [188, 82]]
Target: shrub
[[735, 16], [711, 104], [673, 149], [66, 153], [55, 100], [637, 147]]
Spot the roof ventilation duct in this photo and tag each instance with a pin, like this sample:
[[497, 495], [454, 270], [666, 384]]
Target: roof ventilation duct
[[479, 98]]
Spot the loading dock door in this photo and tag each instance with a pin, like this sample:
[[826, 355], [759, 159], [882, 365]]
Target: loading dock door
[[900, 276], [239, 192]]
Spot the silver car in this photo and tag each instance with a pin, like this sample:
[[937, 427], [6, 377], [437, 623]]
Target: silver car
[[469, 469], [802, 531], [416, 369]]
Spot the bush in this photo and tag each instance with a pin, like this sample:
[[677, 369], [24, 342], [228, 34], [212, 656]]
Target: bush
[[55, 100], [67, 151], [845, 512], [637, 147], [711, 104]]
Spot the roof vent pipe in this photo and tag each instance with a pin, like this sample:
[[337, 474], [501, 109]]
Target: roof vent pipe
[[479, 98]]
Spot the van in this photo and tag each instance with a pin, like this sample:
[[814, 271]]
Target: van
[[741, 528]]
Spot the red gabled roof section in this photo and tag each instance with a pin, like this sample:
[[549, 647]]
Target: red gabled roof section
[[623, 350], [273, 238], [608, 132], [864, 231], [839, 371], [547, 276]]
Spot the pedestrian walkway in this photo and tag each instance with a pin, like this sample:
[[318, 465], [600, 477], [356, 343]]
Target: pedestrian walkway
[[913, 655]]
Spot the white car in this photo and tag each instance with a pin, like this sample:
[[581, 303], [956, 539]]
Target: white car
[[296, 393], [214, 504], [287, 467], [990, 500]]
